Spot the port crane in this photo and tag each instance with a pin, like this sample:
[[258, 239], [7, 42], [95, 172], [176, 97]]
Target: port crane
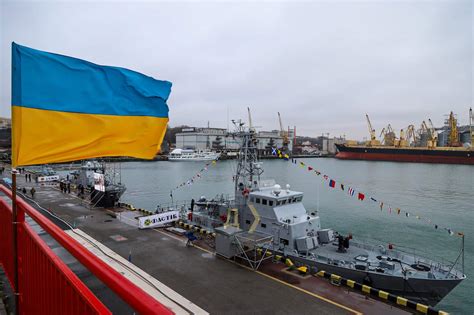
[[283, 134], [453, 139], [433, 135], [410, 134], [389, 136], [373, 140]]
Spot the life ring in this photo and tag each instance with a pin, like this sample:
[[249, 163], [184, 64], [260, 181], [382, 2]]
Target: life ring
[[245, 192]]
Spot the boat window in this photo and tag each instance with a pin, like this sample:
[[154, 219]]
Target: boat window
[[294, 199], [264, 202], [283, 201], [278, 203], [270, 203], [247, 221], [289, 200], [257, 200], [252, 199], [263, 225]]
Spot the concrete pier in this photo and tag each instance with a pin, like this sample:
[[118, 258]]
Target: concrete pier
[[212, 284]]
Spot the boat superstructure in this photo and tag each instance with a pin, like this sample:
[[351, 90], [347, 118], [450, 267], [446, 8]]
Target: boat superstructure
[[109, 192], [263, 210], [191, 155]]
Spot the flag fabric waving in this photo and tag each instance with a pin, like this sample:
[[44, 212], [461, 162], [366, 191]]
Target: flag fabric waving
[[66, 109]]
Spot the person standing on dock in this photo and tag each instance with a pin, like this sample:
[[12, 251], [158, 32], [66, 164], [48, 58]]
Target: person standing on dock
[[68, 187], [32, 191]]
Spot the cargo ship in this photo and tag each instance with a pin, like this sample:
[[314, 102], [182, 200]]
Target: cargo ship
[[452, 146], [446, 155]]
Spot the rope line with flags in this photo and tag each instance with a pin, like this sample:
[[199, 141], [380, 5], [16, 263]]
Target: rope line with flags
[[196, 176], [361, 196]]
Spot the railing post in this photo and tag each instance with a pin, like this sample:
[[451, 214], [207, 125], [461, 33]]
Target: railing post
[[17, 218]]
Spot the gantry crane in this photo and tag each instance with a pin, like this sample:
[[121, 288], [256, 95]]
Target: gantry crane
[[410, 134], [389, 136], [283, 134], [373, 140], [401, 142], [432, 143], [453, 139]]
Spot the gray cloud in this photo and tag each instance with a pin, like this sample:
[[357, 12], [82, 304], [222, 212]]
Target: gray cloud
[[323, 65]]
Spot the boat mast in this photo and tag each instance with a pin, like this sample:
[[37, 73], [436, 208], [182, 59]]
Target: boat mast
[[248, 169]]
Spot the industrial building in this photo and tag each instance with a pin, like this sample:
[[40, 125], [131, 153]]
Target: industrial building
[[219, 139], [329, 145]]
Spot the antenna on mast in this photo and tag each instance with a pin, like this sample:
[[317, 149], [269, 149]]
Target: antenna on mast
[[251, 128]]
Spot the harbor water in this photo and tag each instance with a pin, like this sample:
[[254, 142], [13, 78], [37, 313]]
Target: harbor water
[[441, 193]]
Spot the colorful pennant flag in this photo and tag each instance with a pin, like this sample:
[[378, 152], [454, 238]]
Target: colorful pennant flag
[[332, 183], [351, 191]]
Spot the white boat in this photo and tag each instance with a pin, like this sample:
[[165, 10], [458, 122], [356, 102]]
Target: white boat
[[191, 155]]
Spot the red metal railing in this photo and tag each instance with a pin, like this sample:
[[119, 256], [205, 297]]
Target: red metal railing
[[6, 240], [38, 264]]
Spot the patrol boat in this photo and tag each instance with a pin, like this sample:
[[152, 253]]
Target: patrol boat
[[277, 220]]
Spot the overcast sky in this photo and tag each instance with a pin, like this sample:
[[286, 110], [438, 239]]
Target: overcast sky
[[323, 65]]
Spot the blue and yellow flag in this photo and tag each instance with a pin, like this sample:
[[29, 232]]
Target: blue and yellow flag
[[66, 109]]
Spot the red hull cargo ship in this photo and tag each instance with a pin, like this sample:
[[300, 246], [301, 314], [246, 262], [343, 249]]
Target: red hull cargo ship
[[448, 155]]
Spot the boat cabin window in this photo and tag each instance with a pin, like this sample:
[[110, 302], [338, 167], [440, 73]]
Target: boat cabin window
[[294, 200], [289, 200], [257, 200], [264, 202], [283, 202], [247, 221], [278, 203], [284, 241], [263, 225], [270, 203]]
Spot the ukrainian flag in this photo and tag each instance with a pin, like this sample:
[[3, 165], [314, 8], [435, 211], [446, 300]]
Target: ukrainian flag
[[66, 109]]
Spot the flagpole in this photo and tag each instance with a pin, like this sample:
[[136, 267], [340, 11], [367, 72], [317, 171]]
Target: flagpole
[[15, 242]]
